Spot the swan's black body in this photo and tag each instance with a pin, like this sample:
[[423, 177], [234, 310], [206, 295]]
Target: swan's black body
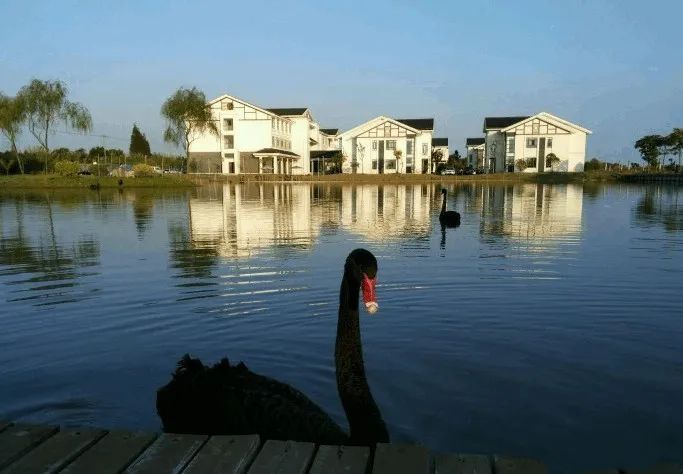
[[448, 218], [231, 399]]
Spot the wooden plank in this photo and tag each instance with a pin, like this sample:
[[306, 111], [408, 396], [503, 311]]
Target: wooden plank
[[668, 468], [283, 457], [462, 464], [401, 458], [170, 453], [225, 454], [111, 454], [57, 451], [19, 439], [510, 465], [341, 460]]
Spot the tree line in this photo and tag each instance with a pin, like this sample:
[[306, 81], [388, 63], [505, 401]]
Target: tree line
[[39, 107], [652, 147]]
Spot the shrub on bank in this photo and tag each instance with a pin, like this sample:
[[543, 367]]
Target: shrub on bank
[[67, 168], [142, 170]]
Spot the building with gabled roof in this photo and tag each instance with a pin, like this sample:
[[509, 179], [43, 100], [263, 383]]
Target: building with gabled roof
[[257, 140], [386, 145], [536, 143], [475, 151]]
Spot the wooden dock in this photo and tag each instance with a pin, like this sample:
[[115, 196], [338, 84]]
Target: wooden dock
[[31, 449]]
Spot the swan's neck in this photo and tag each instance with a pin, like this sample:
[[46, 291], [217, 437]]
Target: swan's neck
[[443, 204], [365, 420]]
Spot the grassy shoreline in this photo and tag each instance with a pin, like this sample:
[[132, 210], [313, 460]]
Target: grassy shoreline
[[52, 181], [188, 181]]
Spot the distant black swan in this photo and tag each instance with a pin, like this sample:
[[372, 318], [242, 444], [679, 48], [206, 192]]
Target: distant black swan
[[231, 399], [448, 218]]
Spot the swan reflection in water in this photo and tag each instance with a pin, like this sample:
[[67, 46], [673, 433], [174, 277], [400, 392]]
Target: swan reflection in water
[[231, 399]]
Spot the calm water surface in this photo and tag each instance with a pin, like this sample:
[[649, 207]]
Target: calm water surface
[[549, 324]]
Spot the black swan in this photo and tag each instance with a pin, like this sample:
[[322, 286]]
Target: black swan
[[448, 218], [231, 399]]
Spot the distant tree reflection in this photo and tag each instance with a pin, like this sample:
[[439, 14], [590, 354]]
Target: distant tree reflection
[[660, 206]]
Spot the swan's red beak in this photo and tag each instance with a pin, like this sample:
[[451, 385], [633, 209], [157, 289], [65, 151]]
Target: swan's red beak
[[368, 288]]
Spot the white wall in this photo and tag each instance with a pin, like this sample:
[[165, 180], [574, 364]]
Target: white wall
[[300, 145]]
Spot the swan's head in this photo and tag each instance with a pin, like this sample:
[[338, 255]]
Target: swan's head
[[443, 191], [361, 265]]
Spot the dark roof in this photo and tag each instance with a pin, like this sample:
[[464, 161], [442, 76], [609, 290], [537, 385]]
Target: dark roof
[[439, 141], [330, 131], [323, 153], [275, 150], [289, 111], [501, 122], [420, 124], [475, 141]]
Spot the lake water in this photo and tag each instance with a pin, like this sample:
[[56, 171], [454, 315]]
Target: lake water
[[549, 324]]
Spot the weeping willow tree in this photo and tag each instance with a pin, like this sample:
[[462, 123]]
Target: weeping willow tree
[[187, 117], [12, 117], [45, 104]]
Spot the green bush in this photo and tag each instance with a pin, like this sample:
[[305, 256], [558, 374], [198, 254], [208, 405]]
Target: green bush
[[67, 168], [142, 170]]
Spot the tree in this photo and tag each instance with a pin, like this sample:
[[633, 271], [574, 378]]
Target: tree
[[648, 146], [138, 143], [12, 116], [521, 164], [96, 151], [398, 154], [675, 141], [453, 158], [437, 156], [45, 104], [188, 117], [7, 164], [551, 160]]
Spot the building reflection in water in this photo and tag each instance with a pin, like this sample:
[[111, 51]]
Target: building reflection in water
[[241, 220], [531, 212], [380, 212]]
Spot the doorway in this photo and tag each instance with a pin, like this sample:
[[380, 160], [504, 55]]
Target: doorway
[[380, 156]]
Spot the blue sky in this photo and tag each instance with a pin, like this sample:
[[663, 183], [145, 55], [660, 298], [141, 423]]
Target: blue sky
[[614, 67]]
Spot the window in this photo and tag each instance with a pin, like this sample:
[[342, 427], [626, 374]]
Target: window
[[227, 105], [374, 164], [374, 144], [549, 144], [228, 141], [391, 144], [531, 143], [511, 145], [227, 124], [534, 127], [424, 149], [273, 123], [531, 162], [409, 147], [391, 164], [230, 156], [273, 141]]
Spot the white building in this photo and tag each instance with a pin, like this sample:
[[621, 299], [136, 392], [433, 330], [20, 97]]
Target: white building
[[386, 145], [513, 140], [256, 140], [476, 148], [439, 144]]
